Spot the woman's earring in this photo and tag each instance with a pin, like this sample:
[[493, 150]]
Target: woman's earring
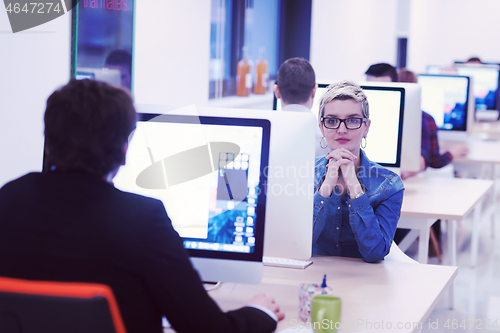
[[363, 144], [321, 143]]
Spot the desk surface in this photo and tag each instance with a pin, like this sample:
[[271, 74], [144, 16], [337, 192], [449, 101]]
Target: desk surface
[[442, 198], [388, 292], [486, 130], [481, 151]]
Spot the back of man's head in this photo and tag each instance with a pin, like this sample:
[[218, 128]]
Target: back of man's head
[[381, 71], [474, 60], [296, 80], [87, 124]]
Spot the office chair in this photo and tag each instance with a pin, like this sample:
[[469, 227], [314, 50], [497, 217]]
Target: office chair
[[57, 307]]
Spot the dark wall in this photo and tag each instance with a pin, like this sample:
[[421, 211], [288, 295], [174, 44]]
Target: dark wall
[[295, 29]]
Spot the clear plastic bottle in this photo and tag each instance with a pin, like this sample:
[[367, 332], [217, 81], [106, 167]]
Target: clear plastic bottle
[[244, 75], [262, 73]]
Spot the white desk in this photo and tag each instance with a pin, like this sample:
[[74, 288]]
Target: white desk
[[481, 152], [451, 199], [391, 292], [486, 130], [483, 161]]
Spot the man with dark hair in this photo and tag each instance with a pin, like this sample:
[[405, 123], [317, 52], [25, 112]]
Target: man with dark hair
[[92, 135], [71, 224], [296, 83], [121, 60], [296, 87], [382, 72]]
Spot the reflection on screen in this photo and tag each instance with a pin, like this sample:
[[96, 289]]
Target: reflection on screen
[[485, 81], [206, 175], [103, 38], [445, 98]]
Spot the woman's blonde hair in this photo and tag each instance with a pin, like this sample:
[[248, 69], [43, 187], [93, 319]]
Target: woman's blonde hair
[[342, 91]]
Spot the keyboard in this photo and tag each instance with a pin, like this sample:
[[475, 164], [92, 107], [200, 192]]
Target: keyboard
[[287, 263]]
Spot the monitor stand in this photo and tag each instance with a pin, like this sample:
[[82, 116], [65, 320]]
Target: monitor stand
[[487, 115]]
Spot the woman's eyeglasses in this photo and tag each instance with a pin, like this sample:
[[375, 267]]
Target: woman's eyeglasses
[[350, 123]]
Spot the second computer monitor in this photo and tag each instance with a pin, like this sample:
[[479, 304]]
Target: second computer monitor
[[446, 99], [394, 137], [485, 80]]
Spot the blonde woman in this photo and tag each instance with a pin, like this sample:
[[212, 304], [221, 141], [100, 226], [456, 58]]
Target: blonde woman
[[357, 202]]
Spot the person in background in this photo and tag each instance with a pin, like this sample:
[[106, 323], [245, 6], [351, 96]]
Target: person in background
[[381, 72], [357, 203], [474, 60], [296, 87], [70, 223], [121, 60]]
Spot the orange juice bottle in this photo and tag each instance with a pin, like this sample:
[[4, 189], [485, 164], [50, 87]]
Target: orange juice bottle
[[244, 75], [262, 74]]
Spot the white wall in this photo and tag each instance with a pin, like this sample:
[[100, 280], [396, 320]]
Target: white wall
[[349, 36], [172, 41], [33, 64], [447, 30]]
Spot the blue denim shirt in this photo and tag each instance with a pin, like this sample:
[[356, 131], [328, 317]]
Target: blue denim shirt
[[362, 227]]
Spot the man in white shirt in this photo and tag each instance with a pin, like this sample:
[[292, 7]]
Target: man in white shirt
[[296, 87]]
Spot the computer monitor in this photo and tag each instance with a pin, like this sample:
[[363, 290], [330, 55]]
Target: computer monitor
[[459, 62], [446, 99], [396, 123], [108, 75], [210, 173], [290, 177], [486, 81]]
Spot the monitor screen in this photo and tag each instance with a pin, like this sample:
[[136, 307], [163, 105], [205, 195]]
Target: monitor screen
[[445, 98], [485, 80], [386, 105], [209, 173], [457, 62]]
